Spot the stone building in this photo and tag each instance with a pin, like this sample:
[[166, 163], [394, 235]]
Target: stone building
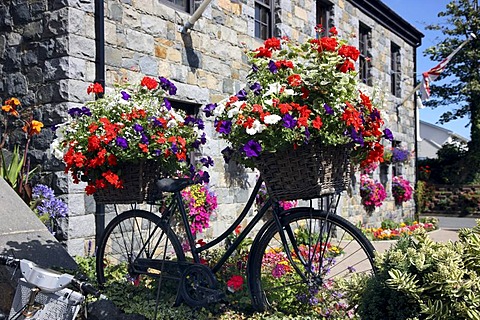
[[50, 51]]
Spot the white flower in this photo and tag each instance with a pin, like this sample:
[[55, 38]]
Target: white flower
[[272, 119], [273, 88], [219, 110], [233, 112], [257, 127]]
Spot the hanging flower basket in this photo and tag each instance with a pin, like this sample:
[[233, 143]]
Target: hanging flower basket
[[137, 180], [307, 172]]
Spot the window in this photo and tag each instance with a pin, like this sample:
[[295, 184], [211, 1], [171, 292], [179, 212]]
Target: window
[[184, 5], [324, 16], [395, 71], [263, 19], [190, 108], [364, 46]]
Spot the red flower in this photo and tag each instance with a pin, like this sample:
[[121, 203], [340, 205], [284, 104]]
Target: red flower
[[349, 52], [272, 43], [235, 283], [90, 189], [96, 88], [294, 80], [263, 52], [305, 92], [333, 31], [346, 66], [284, 107], [352, 117], [328, 44], [287, 64], [93, 143], [317, 123], [113, 179], [149, 82]]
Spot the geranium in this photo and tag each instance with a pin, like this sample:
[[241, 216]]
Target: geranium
[[200, 203], [297, 93], [132, 123], [401, 189], [235, 283], [372, 193]]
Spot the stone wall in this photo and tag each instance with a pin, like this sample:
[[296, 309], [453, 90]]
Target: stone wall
[[47, 52], [452, 200]]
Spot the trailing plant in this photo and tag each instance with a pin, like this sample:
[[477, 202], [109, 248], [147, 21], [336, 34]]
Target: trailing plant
[[419, 278], [402, 191], [372, 193]]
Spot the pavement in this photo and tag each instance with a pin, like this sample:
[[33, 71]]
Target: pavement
[[448, 231]]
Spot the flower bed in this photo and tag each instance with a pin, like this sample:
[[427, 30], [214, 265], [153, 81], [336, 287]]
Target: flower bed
[[393, 231]]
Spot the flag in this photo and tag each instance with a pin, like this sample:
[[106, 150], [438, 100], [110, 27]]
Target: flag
[[435, 72]]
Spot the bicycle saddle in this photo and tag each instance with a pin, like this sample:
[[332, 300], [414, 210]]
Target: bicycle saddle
[[173, 185], [46, 280]]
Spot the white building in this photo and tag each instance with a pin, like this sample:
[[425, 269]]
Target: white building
[[433, 137]]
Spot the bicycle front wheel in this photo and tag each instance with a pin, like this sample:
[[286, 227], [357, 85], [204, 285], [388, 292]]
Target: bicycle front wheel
[[300, 274], [135, 246]]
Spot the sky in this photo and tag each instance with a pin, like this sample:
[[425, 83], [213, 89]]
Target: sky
[[420, 13]]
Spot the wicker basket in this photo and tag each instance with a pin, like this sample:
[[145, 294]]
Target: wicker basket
[[137, 179], [307, 172]]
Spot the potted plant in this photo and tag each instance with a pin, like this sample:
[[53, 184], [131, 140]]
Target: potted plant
[[401, 189], [131, 132], [301, 96], [372, 193]]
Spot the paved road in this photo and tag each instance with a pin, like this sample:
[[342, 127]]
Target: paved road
[[455, 223]]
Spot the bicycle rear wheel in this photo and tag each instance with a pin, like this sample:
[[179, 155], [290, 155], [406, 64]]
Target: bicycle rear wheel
[[323, 249], [136, 246]]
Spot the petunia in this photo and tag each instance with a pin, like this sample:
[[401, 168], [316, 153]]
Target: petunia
[[388, 134], [357, 137], [242, 95], [252, 149], [137, 127], [167, 104], [224, 127], [288, 121], [208, 109], [328, 109], [272, 119], [256, 88], [125, 95], [272, 67]]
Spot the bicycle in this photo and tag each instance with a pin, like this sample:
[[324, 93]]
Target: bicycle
[[44, 294], [303, 249]]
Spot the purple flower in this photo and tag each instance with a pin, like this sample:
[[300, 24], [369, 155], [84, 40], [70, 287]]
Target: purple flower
[[207, 162], [328, 109], [307, 134], [86, 112], [174, 148], [137, 127], [256, 88], [167, 103], [388, 134], [252, 149], [42, 191], [225, 127], [189, 120], [121, 142], [200, 123], [357, 137], [209, 109], [125, 95], [78, 112], [168, 86], [254, 68], [278, 271], [203, 138], [288, 121], [375, 115], [272, 67], [242, 95], [144, 138]]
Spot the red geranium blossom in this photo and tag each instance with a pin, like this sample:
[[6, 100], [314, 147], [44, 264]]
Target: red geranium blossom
[[235, 283], [95, 88], [149, 82]]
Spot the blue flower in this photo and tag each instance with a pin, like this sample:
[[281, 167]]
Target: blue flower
[[208, 109], [242, 95], [167, 103], [388, 134], [272, 67], [252, 149], [207, 162], [168, 86], [137, 127], [125, 95], [328, 109], [288, 121], [225, 127], [121, 142], [256, 88], [200, 123]]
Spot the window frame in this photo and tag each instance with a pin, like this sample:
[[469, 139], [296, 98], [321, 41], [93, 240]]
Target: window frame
[[269, 24], [395, 69], [188, 8], [324, 13], [364, 46]]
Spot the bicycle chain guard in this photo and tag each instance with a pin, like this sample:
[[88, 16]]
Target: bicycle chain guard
[[199, 287]]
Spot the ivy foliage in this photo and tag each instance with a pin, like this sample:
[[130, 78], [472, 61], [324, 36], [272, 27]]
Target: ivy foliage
[[419, 278]]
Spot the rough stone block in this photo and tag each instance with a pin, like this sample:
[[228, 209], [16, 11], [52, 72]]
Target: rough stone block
[[81, 226]]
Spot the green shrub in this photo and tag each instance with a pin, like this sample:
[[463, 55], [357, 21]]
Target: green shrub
[[422, 279]]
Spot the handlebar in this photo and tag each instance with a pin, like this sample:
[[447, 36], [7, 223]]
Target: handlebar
[[83, 286]]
